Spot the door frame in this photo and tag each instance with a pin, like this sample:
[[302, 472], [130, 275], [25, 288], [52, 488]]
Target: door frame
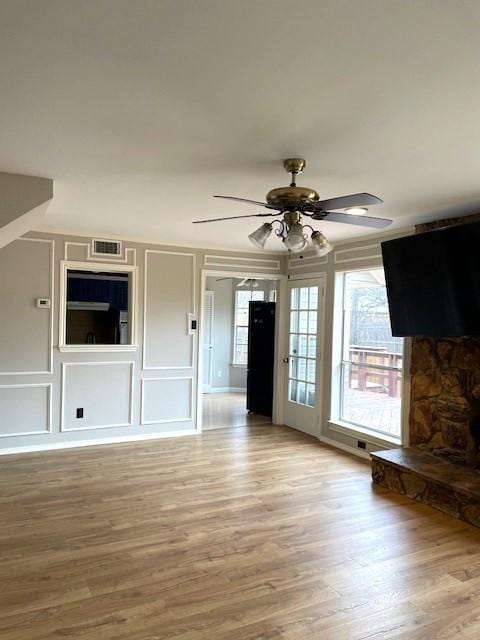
[[280, 328], [296, 281]]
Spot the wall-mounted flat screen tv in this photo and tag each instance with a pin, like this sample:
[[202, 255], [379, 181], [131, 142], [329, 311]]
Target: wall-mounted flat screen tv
[[433, 282]]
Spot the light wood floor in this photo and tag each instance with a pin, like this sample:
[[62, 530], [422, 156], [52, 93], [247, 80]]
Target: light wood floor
[[222, 410], [249, 533]]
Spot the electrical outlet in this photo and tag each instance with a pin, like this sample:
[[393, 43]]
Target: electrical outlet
[[219, 374], [80, 412]]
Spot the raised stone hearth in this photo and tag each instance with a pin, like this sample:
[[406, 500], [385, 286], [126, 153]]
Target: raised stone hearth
[[441, 466], [420, 475]]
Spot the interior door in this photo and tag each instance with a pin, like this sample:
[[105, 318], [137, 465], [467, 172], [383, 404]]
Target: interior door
[[207, 324], [303, 355]]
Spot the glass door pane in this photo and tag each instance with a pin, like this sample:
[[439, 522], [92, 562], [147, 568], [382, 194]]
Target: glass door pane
[[303, 345]]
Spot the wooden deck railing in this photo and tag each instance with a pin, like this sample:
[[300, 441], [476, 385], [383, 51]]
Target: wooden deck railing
[[376, 370]]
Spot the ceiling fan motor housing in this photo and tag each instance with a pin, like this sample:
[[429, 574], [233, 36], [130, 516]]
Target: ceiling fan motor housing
[[291, 197]]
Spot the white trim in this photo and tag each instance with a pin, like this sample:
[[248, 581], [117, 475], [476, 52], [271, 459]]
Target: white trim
[[91, 255], [98, 348], [375, 256], [319, 281], [380, 236], [99, 441], [192, 310], [307, 261], [110, 256], [51, 311], [132, 270], [46, 385], [69, 243], [360, 453], [353, 430], [226, 390], [277, 416], [159, 242], [309, 275], [363, 433], [211, 260], [63, 429], [165, 420]]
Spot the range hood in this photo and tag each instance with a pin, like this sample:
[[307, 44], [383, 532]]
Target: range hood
[[88, 306]]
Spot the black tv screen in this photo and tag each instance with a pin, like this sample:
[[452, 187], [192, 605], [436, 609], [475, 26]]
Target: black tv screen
[[433, 282]]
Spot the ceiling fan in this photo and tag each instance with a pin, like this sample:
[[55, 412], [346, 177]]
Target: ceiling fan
[[294, 202], [247, 282]]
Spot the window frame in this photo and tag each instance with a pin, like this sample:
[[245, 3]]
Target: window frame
[[241, 365], [336, 422], [65, 266]]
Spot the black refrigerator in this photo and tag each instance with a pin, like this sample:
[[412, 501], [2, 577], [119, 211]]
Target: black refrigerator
[[261, 346]]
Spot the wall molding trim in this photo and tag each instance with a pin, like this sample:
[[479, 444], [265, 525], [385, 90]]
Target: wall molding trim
[[165, 420], [239, 262], [90, 256], [145, 305], [48, 430], [306, 261], [226, 390], [97, 441], [49, 371], [65, 365], [376, 254]]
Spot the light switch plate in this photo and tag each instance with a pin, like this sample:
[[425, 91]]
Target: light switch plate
[[43, 303]]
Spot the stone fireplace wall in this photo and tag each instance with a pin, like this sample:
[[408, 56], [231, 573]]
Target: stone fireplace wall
[[445, 389], [445, 397]]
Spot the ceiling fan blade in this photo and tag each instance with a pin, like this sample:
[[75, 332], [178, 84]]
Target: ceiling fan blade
[[256, 202], [353, 200], [347, 218], [253, 215]]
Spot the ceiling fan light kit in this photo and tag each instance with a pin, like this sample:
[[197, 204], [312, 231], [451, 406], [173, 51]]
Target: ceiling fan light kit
[[293, 202]]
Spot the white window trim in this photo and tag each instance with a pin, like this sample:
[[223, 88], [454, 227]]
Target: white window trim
[[335, 423], [65, 265], [235, 364]]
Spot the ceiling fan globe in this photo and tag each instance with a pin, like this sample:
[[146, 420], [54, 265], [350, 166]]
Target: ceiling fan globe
[[259, 237], [320, 245]]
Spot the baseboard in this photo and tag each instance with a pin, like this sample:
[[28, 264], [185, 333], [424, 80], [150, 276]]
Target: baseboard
[[227, 390], [360, 453], [91, 443]]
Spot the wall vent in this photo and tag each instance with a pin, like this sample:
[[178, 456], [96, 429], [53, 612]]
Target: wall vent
[[106, 248]]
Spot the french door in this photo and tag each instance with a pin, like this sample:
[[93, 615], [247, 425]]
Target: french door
[[303, 355]]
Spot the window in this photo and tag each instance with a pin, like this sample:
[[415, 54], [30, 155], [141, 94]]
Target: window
[[97, 309], [240, 341], [372, 359]]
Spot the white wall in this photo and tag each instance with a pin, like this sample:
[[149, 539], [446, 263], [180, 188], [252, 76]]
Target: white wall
[[146, 391]]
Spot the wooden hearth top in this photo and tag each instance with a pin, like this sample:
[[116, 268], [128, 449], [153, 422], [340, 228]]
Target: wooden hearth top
[[452, 476]]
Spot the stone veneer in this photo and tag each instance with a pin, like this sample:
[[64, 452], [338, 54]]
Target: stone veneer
[[445, 398], [444, 423]]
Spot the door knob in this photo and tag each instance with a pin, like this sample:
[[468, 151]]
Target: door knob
[[286, 360]]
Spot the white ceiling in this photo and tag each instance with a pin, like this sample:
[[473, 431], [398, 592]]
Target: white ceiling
[[141, 110]]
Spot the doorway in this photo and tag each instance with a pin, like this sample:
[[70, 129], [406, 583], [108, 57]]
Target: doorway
[[225, 330]]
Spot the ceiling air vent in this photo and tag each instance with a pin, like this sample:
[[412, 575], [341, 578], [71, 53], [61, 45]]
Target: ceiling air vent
[[107, 248]]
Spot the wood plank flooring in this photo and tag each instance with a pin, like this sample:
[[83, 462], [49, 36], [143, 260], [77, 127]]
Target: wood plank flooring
[[238, 534], [222, 410]]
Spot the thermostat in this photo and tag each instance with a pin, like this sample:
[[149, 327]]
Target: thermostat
[[44, 303]]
